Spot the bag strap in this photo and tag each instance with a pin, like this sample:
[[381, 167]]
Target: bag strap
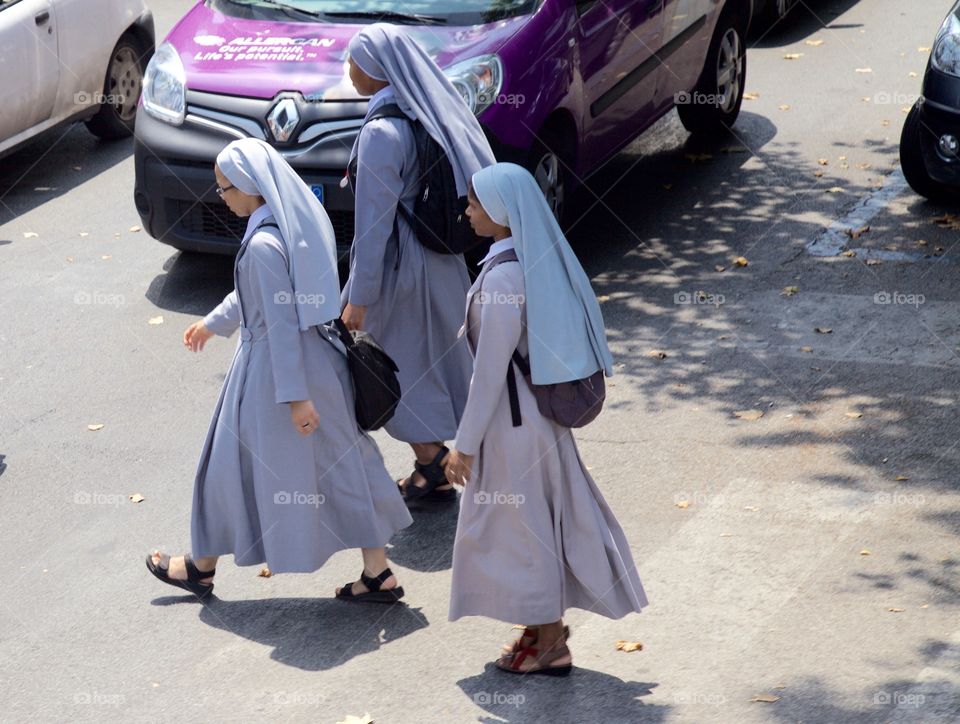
[[516, 359], [343, 332]]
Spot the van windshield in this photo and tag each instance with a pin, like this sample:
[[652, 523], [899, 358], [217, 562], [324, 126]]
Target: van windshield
[[426, 12]]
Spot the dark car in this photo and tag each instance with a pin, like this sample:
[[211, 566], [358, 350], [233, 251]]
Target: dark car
[[930, 143]]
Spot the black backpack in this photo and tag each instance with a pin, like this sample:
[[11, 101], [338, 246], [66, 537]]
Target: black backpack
[[439, 218], [376, 389]]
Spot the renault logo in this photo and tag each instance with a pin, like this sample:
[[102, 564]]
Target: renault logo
[[283, 119]]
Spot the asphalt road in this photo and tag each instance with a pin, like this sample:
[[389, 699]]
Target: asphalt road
[[810, 555]]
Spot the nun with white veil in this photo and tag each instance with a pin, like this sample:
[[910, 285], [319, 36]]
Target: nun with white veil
[[286, 478], [405, 295], [535, 536]]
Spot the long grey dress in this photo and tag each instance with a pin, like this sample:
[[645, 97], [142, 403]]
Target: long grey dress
[[535, 536], [412, 295], [264, 492]]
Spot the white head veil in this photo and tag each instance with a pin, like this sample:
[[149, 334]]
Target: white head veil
[[385, 52], [565, 327], [255, 167]]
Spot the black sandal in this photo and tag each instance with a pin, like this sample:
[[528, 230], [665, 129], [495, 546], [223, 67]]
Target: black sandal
[[374, 595], [435, 476], [192, 583]]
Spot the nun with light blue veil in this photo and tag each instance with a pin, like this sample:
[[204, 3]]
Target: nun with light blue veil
[[535, 536], [405, 295], [286, 478]]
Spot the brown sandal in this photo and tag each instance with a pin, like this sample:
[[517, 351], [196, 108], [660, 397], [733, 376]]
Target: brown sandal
[[511, 663], [528, 638]]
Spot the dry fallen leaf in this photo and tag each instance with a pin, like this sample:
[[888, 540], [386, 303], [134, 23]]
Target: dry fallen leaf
[[351, 719], [603, 298], [823, 161], [751, 508], [835, 190], [155, 320], [95, 427], [70, 260], [921, 242], [901, 478], [134, 228], [857, 233], [808, 350], [864, 70], [923, 49], [629, 646], [815, 43], [823, 330], [264, 573], [864, 552], [106, 256], [874, 262], [136, 498], [793, 56], [657, 354], [748, 414], [818, 174], [789, 291], [784, 107], [719, 268], [895, 610], [766, 698], [30, 235], [854, 415], [741, 261], [84, 234], [849, 253], [751, 96], [682, 504]]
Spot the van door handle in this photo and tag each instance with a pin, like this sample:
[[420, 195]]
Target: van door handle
[[41, 18]]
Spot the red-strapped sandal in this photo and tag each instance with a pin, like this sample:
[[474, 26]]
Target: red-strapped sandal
[[512, 663], [528, 638]]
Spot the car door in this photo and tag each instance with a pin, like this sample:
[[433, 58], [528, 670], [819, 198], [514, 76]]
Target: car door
[[687, 28], [618, 40], [29, 65]]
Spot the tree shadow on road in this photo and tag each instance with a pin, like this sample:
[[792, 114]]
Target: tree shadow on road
[[584, 696]]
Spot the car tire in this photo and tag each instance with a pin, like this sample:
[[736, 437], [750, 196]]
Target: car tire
[[121, 90], [550, 161], [913, 166], [723, 78], [777, 10]]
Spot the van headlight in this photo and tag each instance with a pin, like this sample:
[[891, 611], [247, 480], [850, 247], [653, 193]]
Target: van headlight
[[478, 81], [946, 49], [164, 95]]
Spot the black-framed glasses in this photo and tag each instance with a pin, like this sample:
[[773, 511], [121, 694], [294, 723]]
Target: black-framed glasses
[[221, 190]]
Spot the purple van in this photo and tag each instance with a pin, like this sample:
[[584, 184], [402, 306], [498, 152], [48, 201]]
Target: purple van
[[558, 85]]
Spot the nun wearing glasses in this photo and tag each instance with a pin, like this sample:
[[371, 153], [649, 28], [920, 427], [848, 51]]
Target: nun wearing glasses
[[535, 536], [408, 297], [286, 478]]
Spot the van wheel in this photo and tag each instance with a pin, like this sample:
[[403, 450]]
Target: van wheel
[[714, 104], [912, 163], [550, 162], [121, 91]]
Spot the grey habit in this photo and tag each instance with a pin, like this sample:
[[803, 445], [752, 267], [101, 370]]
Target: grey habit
[[263, 492], [412, 294], [535, 536]]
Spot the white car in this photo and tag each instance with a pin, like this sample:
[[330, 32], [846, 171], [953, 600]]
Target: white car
[[71, 60]]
